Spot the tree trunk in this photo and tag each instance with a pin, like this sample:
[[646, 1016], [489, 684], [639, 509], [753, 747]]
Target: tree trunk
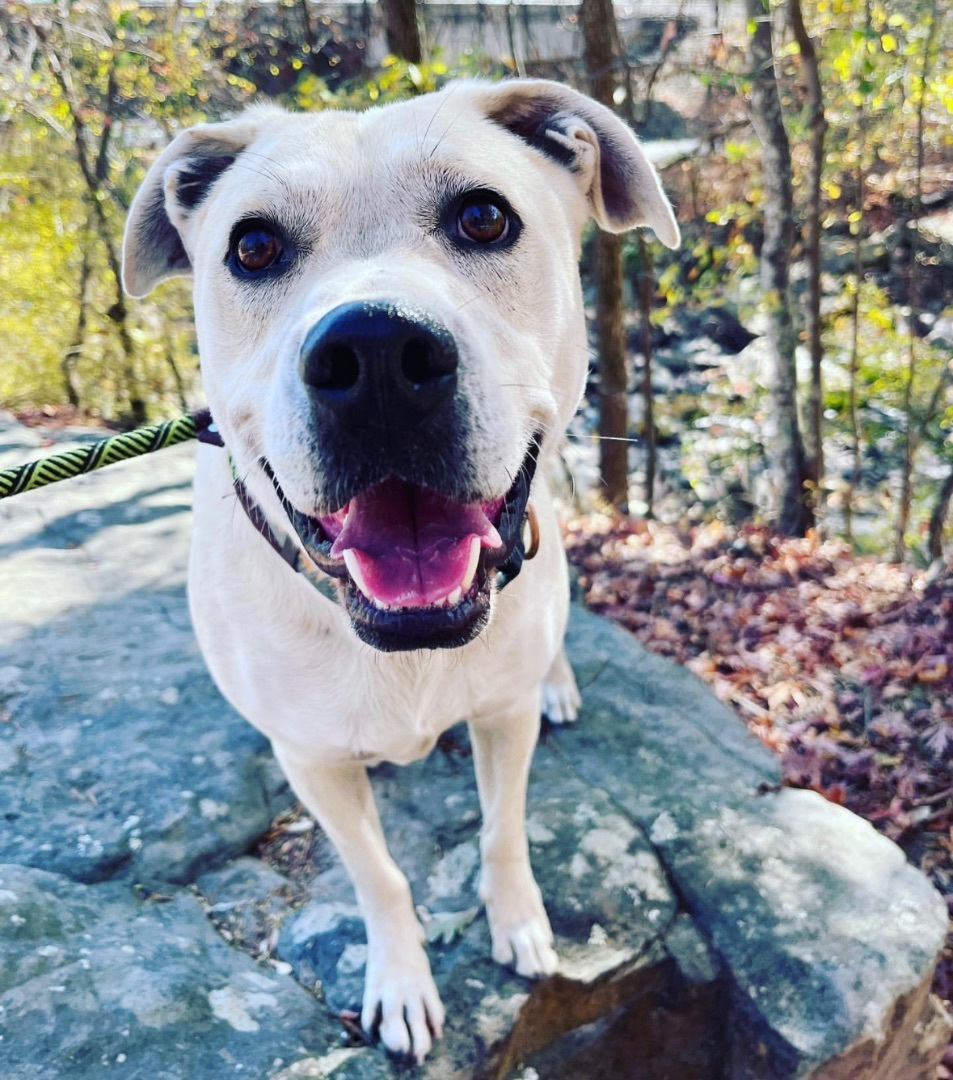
[[938, 517], [910, 444], [854, 366], [74, 350], [860, 183], [599, 31], [794, 514], [401, 30], [95, 174], [613, 376], [817, 124], [646, 294]]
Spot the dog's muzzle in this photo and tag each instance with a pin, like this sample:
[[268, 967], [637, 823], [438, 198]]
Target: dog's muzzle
[[414, 554]]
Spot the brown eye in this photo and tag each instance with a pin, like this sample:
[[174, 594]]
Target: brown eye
[[256, 249], [482, 219]]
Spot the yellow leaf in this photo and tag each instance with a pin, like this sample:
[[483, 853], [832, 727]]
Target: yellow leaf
[[889, 43]]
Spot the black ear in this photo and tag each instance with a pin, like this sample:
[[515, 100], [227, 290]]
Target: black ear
[[580, 134], [155, 245]]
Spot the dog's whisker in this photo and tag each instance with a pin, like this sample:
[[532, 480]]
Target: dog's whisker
[[248, 167], [277, 173], [467, 303], [593, 437], [446, 97]]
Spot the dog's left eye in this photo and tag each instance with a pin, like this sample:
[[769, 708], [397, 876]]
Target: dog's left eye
[[256, 249], [483, 218]]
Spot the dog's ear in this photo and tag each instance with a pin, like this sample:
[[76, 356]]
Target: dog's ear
[[155, 245], [622, 186]]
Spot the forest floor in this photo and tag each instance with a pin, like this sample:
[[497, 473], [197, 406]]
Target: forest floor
[[842, 665]]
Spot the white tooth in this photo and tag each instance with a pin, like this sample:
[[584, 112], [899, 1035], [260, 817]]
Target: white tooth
[[474, 560], [454, 597], [354, 569]]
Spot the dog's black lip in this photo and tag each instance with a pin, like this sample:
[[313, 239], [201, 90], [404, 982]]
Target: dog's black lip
[[406, 629], [400, 629]]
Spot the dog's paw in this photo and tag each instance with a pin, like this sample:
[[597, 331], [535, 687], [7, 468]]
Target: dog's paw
[[402, 1004], [519, 926], [560, 698]]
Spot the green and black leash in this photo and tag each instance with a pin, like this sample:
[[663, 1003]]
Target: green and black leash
[[130, 444]]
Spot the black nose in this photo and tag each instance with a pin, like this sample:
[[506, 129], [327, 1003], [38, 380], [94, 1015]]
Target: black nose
[[374, 358]]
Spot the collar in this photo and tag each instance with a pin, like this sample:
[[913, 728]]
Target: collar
[[284, 546]]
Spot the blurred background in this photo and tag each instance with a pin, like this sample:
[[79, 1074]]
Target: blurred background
[[790, 364]]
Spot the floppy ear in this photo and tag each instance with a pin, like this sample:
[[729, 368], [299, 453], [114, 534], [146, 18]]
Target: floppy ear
[[155, 245], [591, 141]]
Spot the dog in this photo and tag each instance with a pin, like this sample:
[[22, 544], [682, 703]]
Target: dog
[[392, 340]]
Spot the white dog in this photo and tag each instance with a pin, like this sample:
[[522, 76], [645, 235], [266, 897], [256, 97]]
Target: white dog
[[392, 337]]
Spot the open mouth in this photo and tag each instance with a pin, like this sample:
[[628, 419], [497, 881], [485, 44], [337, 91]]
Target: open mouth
[[416, 565]]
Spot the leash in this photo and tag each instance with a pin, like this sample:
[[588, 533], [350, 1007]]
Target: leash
[[200, 425], [130, 444]]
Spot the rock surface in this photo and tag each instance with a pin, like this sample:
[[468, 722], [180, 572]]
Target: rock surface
[[710, 925]]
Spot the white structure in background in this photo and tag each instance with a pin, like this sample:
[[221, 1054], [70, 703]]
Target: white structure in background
[[532, 31]]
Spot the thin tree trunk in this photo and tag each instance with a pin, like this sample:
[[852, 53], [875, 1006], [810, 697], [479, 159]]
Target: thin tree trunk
[[938, 517], [613, 375], [646, 293], [853, 418], [511, 38], [174, 368], [310, 38], [401, 29], [794, 515], [599, 32], [817, 124], [74, 350], [913, 300], [95, 174], [860, 183]]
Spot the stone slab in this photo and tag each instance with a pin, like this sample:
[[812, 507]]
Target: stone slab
[[117, 754], [710, 923], [95, 981]]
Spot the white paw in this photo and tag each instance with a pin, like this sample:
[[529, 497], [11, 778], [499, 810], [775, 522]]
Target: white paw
[[519, 927], [401, 1002], [560, 700], [528, 948]]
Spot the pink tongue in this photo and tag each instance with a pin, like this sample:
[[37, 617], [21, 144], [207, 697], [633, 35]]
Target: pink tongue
[[412, 545]]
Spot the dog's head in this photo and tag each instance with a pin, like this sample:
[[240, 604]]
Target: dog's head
[[390, 322]]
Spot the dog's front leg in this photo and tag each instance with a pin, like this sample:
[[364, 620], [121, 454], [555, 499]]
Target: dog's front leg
[[519, 926], [399, 991]]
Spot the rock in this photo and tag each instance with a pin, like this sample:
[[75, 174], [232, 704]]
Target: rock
[[829, 936], [710, 924], [838, 255], [94, 978], [712, 330], [817, 940], [248, 901], [120, 757], [610, 904], [662, 123]]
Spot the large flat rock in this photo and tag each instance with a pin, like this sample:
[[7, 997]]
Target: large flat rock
[[95, 980], [118, 756], [710, 923]]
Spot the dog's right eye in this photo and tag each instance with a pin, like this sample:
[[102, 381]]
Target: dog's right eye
[[256, 248]]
